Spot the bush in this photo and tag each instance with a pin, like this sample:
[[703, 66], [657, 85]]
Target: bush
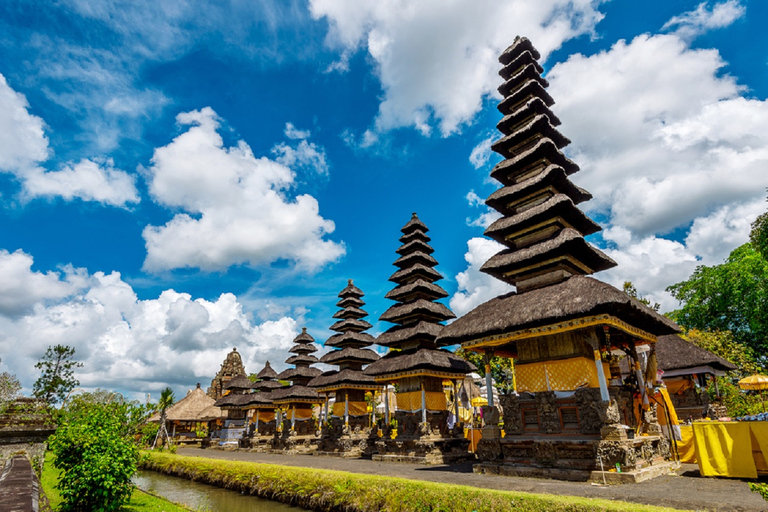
[[96, 455]]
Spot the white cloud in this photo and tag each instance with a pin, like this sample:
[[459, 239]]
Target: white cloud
[[485, 219], [475, 287], [693, 23], [237, 209], [658, 147], [24, 148], [169, 340], [436, 60], [304, 155], [482, 152]]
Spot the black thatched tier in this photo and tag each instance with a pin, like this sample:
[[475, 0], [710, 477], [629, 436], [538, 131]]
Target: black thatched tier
[[350, 324], [552, 180], [424, 359], [419, 309], [579, 296], [350, 302], [675, 353], [513, 121], [304, 337], [350, 354], [265, 385], [414, 235], [303, 348], [558, 211], [233, 401], [302, 359], [527, 135], [351, 290], [512, 266], [300, 372], [296, 393], [414, 224], [417, 271], [413, 246], [267, 372], [350, 312], [531, 162], [239, 382], [521, 44], [350, 339], [529, 90], [525, 74], [415, 257], [343, 378], [399, 335], [523, 59], [418, 289]]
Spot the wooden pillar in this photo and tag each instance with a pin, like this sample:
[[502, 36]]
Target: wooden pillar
[[293, 416], [346, 408], [386, 403], [455, 403], [256, 411], [279, 420], [488, 378], [327, 399], [423, 403], [604, 396]]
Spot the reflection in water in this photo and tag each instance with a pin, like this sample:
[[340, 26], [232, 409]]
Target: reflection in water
[[198, 496]]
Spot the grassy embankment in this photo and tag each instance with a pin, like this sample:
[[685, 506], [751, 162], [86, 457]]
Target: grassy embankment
[[140, 501], [350, 492]]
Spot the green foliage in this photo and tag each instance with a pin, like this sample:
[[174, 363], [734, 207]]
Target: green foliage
[[502, 369], [630, 290], [166, 400], [147, 434], [9, 389], [760, 488], [95, 452], [732, 297], [338, 490], [722, 343], [57, 374], [737, 402], [758, 237]]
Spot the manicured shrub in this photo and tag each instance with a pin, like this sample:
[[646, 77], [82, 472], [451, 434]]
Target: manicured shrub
[[96, 455]]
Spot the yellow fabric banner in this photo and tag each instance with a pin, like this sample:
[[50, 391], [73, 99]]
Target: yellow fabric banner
[[661, 399], [411, 401], [678, 386], [558, 375], [355, 409], [299, 414], [724, 449], [759, 431], [685, 448], [265, 415]]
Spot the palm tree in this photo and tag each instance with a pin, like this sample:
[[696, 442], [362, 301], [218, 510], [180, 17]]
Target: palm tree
[[166, 400]]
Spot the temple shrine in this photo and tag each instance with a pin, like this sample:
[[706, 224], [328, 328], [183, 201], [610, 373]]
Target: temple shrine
[[347, 429], [572, 414], [262, 425], [231, 367], [419, 429], [296, 424]]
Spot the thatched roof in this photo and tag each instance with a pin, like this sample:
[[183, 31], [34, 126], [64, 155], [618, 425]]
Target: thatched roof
[[267, 372], [300, 359], [418, 270], [342, 377], [531, 107], [304, 337], [239, 382], [188, 408], [675, 353], [414, 224], [350, 324], [398, 335], [299, 393], [529, 89], [414, 235], [264, 385], [233, 400], [536, 128], [361, 355], [414, 246], [421, 307], [350, 301], [349, 339], [518, 47], [351, 290], [301, 371], [553, 176], [419, 289], [416, 256], [350, 312], [507, 170], [576, 297], [211, 413], [529, 72], [439, 360]]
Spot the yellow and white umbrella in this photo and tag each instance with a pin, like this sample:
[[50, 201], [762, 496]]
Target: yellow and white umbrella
[[756, 383]]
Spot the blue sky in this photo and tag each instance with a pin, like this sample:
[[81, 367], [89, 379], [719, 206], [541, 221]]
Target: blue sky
[[181, 178]]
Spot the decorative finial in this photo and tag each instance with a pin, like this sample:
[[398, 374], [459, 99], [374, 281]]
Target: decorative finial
[[413, 215], [303, 330], [349, 281], [234, 349], [198, 385]]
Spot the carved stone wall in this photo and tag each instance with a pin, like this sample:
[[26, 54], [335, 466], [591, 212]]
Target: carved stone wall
[[230, 368]]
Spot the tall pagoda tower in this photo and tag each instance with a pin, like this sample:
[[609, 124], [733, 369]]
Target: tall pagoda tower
[[262, 420], [563, 328], [350, 423], [296, 402], [231, 367], [416, 363]]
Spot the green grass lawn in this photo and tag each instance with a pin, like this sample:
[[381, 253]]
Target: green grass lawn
[[140, 501], [315, 489]]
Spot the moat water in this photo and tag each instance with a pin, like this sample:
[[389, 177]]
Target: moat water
[[204, 497]]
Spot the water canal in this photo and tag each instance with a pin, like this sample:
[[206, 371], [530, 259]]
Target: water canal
[[204, 497]]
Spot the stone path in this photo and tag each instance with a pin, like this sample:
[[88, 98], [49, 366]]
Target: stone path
[[684, 491], [19, 488]]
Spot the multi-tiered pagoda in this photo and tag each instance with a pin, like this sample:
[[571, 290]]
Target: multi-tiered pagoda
[[416, 363], [349, 428], [295, 403], [262, 423], [562, 327]]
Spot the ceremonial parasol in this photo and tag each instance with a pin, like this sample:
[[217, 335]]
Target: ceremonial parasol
[[757, 383]]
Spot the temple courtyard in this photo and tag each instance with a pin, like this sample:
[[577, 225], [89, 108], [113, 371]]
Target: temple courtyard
[[683, 490]]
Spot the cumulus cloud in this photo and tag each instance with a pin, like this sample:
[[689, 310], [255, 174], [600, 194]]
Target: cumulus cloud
[[488, 215], [481, 153], [475, 287], [236, 208], [24, 148], [304, 155], [693, 23], [169, 340], [437, 60]]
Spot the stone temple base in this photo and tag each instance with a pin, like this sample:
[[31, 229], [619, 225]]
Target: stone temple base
[[294, 445], [425, 450]]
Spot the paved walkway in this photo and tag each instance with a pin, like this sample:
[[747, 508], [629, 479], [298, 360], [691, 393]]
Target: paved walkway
[[688, 491]]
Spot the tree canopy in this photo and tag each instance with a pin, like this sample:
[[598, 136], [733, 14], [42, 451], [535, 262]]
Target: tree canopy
[[57, 374]]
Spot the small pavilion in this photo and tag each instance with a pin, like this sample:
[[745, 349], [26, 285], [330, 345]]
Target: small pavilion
[[348, 430], [561, 327], [295, 404], [263, 426], [236, 397], [182, 417], [416, 363]]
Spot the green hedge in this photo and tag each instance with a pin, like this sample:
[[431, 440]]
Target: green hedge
[[326, 490]]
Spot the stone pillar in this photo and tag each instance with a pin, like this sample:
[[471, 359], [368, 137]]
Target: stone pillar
[[386, 403], [293, 417], [423, 403], [327, 399], [455, 403], [346, 409], [488, 377]]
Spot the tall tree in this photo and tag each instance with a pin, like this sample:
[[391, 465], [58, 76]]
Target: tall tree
[[758, 237], [57, 374], [166, 400], [630, 290], [9, 388], [732, 297]]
